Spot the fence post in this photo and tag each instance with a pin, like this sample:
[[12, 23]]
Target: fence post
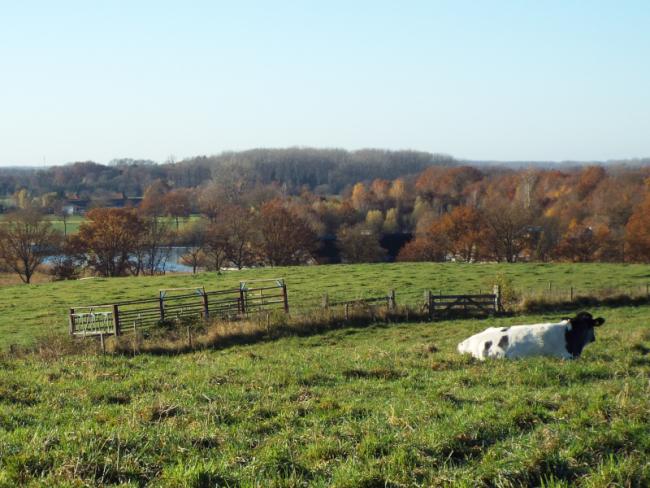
[[497, 299], [71, 320], [116, 320], [326, 301], [571, 292], [206, 310], [347, 312], [285, 297], [161, 302], [429, 303], [391, 300], [242, 301]]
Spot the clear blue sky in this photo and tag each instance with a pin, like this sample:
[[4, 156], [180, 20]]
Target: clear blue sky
[[494, 80]]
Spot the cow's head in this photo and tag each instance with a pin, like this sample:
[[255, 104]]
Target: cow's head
[[581, 332]]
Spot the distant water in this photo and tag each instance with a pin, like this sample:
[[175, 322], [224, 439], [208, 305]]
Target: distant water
[[172, 265]]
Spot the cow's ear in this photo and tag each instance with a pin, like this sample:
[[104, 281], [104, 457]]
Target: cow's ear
[[599, 321]]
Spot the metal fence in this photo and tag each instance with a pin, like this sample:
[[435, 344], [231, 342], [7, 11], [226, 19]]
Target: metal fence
[[176, 304]]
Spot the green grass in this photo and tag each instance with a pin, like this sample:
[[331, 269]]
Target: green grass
[[29, 311], [75, 220], [386, 405], [72, 225]]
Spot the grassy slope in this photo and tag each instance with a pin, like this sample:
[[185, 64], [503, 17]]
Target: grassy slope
[[28, 311], [353, 407]]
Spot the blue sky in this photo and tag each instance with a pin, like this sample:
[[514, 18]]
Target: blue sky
[[97, 80]]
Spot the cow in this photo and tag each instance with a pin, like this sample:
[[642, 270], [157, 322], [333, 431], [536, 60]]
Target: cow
[[564, 339]]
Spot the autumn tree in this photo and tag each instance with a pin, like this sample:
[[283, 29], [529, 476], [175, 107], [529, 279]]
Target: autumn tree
[[578, 244], [391, 222], [424, 248], [22, 199], [176, 204], [637, 233], [284, 238], [374, 220], [109, 237], [465, 232], [153, 199], [360, 197], [443, 188], [398, 193], [26, 239]]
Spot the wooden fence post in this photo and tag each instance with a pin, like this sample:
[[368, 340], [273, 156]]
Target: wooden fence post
[[116, 320], [347, 312], [571, 293], [242, 301], [391, 300], [428, 297], [285, 297], [73, 326], [326, 301], [206, 310], [161, 303], [498, 307]]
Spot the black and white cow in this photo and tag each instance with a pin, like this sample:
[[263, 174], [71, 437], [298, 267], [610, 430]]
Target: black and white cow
[[564, 339]]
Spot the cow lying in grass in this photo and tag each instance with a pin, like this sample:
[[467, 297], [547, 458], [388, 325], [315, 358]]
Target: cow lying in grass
[[564, 339]]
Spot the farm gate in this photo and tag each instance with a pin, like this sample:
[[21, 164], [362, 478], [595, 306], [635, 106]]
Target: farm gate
[[178, 303]]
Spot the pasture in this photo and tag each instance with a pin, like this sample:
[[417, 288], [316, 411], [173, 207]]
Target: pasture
[[29, 311], [386, 405]]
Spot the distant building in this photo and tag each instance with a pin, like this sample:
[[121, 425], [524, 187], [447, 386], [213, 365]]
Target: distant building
[[79, 206]]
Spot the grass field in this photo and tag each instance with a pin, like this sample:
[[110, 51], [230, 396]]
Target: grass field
[[29, 311], [386, 405], [74, 221]]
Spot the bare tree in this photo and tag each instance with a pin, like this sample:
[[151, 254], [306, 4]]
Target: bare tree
[[194, 237], [241, 230], [211, 201], [58, 207], [508, 226], [26, 239], [216, 246], [152, 250]]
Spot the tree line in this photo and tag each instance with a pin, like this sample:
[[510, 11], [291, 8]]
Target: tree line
[[326, 171], [453, 212]]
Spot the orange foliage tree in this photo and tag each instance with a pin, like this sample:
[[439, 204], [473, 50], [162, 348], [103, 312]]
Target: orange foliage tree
[[637, 233], [109, 237]]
